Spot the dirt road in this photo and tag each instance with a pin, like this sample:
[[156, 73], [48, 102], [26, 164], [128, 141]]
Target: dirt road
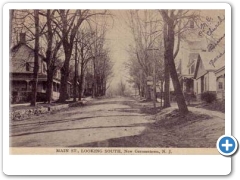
[[98, 121], [119, 122]]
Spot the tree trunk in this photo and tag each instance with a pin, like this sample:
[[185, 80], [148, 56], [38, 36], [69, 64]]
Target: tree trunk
[[64, 80], [75, 76], [49, 85], [177, 87], [11, 16], [161, 93], [104, 87], [147, 92], [166, 69], [143, 91], [94, 80], [139, 89], [50, 67], [36, 65], [81, 83]]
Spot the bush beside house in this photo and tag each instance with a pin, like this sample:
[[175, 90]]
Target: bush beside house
[[208, 97]]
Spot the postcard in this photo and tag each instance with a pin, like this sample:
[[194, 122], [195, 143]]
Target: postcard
[[118, 88]]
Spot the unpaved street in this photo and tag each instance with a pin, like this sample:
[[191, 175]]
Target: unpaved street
[[119, 122], [98, 121]]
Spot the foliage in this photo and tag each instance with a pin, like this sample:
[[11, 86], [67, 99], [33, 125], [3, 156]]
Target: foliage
[[208, 97], [20, 97]]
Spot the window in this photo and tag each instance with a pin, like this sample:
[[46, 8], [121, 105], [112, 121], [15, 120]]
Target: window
[[27, 66], [220, 85]]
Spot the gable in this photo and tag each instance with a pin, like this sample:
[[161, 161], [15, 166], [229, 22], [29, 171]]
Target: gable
[[200, 69], [192, 58], [209, 57], [21, 56]]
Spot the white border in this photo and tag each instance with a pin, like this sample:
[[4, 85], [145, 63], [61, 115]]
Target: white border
[[110, 164]]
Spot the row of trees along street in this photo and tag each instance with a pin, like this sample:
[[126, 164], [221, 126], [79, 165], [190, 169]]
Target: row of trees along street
[[74, 42], [157, 38], [70, 40]]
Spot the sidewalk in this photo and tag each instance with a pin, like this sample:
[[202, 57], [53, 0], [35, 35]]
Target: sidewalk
[[203, 111], [174, 105]]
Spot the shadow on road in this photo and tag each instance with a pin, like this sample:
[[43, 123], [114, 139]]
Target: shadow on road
[[170, 132]]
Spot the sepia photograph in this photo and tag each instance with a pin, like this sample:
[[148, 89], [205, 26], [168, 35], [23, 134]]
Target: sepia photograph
[[116, 81]]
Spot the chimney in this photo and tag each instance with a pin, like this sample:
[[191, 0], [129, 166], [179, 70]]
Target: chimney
[[22, 38]]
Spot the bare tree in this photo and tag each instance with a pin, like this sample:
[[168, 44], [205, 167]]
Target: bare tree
[[68, 23], [36, 54], [121, 88], [146, 29], [173, 27], [51, 52], [166, 73], [85, 43], [102, 65]]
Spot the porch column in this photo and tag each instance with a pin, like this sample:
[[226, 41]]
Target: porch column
[[28, 88], [184, 85]]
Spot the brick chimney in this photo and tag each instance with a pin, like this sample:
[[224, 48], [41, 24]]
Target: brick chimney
[[22, 38]]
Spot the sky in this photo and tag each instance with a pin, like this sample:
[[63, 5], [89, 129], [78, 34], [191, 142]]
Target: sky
[[118, 40]]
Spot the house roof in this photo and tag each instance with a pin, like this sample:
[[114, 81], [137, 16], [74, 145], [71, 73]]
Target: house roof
[[220, 69], [212, 60], [192, 58], [16, 47], [197, 45]]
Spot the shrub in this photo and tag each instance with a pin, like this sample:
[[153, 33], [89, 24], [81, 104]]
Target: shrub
[[20, 97], [41, 97], [208, 97]]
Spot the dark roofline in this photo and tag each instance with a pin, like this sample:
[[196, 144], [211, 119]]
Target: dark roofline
[[202, 75], [197, 66], [20, 44], [220, 69]]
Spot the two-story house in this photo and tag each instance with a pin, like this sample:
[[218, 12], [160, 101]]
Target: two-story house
[[188, 56], [21, 73]]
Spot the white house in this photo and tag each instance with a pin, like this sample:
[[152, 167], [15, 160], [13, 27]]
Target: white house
[[205, 79], [220, 82]]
